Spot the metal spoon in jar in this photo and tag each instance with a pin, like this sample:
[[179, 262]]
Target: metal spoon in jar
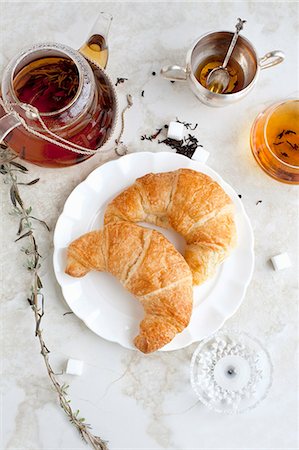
[[219, 78]]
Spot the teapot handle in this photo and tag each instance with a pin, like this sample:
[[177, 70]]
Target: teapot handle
[[95, 49], [7, 124]]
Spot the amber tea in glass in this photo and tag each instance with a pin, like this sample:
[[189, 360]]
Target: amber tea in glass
[[275, 141], [95, 49]]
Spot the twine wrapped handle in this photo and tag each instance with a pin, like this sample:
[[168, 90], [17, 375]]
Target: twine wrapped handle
[[121, 149]]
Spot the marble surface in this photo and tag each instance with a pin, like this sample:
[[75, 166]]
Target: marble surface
[[140, 402]]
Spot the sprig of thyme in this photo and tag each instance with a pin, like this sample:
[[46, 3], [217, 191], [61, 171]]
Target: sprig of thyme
[[10, 169]]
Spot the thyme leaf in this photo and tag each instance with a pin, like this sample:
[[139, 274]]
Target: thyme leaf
[[29, 233], [13, 196], [19, 166], [30, 182]]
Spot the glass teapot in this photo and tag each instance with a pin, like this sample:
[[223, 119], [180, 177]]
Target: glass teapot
[[58, 106]]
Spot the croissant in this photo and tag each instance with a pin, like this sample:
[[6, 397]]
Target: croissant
[[149, 267], [192, 204]]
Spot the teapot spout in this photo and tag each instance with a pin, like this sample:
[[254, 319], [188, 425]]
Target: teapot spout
[[95, 49]]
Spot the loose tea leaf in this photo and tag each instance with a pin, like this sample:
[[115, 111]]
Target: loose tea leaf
[[155, 135], [279, 136], [294, 146], [120, 80], [144, 137], [187, 125], [152, 137], [186, 146]]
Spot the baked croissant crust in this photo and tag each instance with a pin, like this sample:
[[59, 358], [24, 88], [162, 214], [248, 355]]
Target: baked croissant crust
[[192, 204], [149, 267]]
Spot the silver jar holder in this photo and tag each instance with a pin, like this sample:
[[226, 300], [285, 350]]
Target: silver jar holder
[[215, 44]]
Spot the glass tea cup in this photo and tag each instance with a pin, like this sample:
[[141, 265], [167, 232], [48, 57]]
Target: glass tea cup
[[274, 140]]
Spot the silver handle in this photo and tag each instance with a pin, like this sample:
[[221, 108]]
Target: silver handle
[[174, 73], [271, 59], [239, 27]]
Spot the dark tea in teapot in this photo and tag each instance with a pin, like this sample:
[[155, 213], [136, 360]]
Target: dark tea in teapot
[[49, 84], [58, 106], [79, 107]]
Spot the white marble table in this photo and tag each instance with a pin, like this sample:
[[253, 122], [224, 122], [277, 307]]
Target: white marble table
[[140, 402]]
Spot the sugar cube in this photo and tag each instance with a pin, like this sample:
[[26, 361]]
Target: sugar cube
[[175, 131], [74, 367], [201, 155], [281, 261]]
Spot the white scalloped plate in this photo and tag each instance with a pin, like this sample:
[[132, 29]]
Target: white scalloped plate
[[99, 299]]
